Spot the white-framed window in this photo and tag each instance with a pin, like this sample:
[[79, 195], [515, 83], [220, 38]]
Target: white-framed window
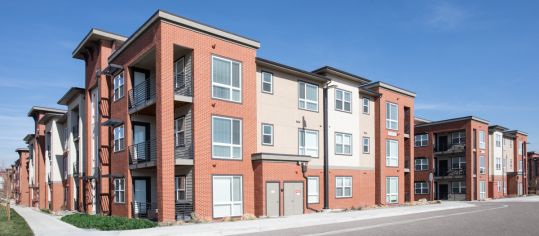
[[179, 73], [179, 132], [308, 142], [343, 144], [366, 105], [520, 166], [226, 79], [267, 82], [343, 100], [267, 134], [482, 190], [308, 96], [227, 196], [458, 187], [119, 190], [119, 141], [118, 84], [313, 194], [421, 188], [227, 138], [519, 147], [458, 138], [458, 163], [482, 139], [343, 187], [392, 116], [392, 152], [421, 140], [421, 164], [499, 185], [498, 138], [180, 188], [366, 145], [498, 163], [392, 189], [482, 168]]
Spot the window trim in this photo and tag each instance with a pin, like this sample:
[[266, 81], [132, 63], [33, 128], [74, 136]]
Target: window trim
[[183, 59], [343, 100], [118, 87], [230, 87], [421, 164], [343, 145], [305, 99], [309, 178], [388, 115], [122, 139], [389, 194], [262, 82], [368, 105], [262, 134], [231, 145], [388, 141], [482, 139], [304, 148], [177, 131], [421, 140], [232, 202], [368, 145], [461, 187], [120, 181], [498, 161], [177, 190], [482, 164], [461, 164], [421, 187], [343, 186]]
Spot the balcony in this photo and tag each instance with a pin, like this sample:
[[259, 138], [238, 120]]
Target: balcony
[[450, 174], [143, 153], [442, 149], [142, 96], [144, 210]]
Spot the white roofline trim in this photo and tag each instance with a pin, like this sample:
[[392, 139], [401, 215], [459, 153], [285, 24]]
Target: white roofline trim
[[390, 87], [99, 32]]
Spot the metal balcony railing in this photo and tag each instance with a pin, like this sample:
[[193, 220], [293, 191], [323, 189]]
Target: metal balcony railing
[[182, 84], [144, 210], [143, 152], [453, 148], [451, 173], [183, 211], [141, 94]]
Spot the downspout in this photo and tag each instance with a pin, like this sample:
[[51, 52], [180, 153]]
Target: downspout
[[304, 171], [326, 153]]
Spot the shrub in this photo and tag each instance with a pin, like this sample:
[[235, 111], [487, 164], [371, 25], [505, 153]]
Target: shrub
[[107, 222]]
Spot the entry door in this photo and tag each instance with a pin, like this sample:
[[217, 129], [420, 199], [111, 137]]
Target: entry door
[[293, 199], [140, 90], [443, 191], [139, 137], [442, 167], [272, 199], [140, 196]]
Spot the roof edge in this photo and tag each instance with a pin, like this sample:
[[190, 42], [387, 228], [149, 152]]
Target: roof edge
[[455, 120], [390, 87], [266, 62], [98, 32], [338, 72]]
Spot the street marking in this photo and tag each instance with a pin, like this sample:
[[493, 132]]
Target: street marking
[[341, 231]]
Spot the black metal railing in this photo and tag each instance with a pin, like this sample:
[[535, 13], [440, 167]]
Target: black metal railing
[[451, 173], [183, 211], [182, 84], [144, 210], [141, 94], [442, 147], [143, 152]]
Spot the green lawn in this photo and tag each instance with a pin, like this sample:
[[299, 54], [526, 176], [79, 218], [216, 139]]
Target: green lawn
[[107, 222], [15, 227]]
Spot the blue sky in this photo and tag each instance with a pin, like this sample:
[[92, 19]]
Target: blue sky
[[460, 57]]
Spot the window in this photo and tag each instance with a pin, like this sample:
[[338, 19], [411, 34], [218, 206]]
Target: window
[[421, 188], [511, 143], [498, 163], [308, 96], [481, 164], [498, 140], [308, 142], [366, 145], [392, 189], [226, 135], [392, 153], [482, 190], [226, 79], [343, 144], [267, 134], [421, 164], [119, 138], [313, 184], [520, 166], [458, 138], [458, 163], [511, 164], [179, 132], [458, 187], [519, 147], [343, 187], [499, 185], [267, 82], [119, 190], [392, 116], [366, 105], [179, 186], [227, 196], [118, 86], [482, 139], [421, 140], [343, 100], [179, 73]]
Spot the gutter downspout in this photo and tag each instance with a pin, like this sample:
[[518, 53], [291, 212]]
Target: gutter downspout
[[304, 171], [326, 153]]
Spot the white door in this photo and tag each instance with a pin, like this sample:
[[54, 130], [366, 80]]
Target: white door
[[139, 90], [139, 137], [140, 196]]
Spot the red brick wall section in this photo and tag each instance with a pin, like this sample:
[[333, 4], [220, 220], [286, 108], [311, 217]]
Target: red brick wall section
[[57, 196], [24, 191]]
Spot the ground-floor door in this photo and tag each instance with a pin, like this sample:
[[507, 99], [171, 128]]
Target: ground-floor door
[[443, 191], [293, 199], [140, 196], [272, 199]]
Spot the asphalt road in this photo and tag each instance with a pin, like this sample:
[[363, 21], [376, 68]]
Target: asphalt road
[[487, 218]]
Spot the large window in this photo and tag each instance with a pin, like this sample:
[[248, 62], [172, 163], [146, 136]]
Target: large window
[[458, 163], [520, 166], [498, 140], [308, 142], [482, 139], [308, 96], [119, 190], [421, 140], [119, 143], [343, 144], [313, 185], [180, 189], [343, 187], [392, 189], [482, 168], [118, 86], [519, 147], [267, 134], [227, 196], [267, 82], [179, 73], [458, 138], [179, 132], [366, 105], [421, 188], [366, 145], [421, 164], [498, 163], [458, 187], [482, 190], [343, 100], [392, 153], [226, 133], [392, 116], [226, 79]]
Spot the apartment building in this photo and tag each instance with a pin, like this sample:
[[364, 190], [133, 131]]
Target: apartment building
[[533, 171], [452, 159], [497, 162], [516, 176]]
